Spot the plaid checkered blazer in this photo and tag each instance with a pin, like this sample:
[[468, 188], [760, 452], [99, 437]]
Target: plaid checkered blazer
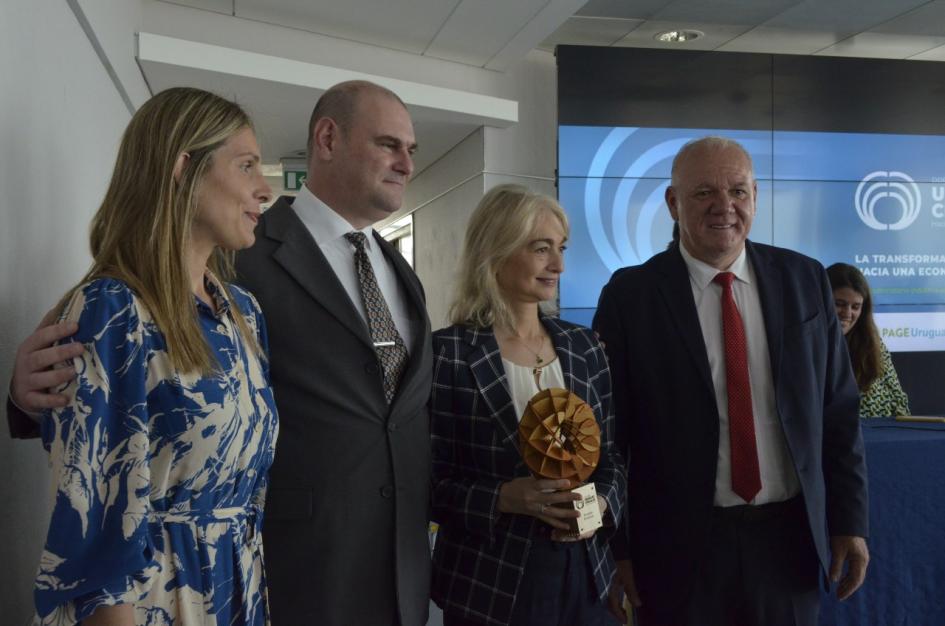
[[480, 553]]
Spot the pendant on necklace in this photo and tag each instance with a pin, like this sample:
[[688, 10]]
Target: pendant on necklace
[[536, 374]]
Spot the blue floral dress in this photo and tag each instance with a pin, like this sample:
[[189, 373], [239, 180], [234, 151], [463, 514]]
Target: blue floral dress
[[158, 476]]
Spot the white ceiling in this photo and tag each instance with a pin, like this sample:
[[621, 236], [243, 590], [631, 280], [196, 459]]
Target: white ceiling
[[279, 94], [495, 34], [482, 33], [476, 32], [892, 29]]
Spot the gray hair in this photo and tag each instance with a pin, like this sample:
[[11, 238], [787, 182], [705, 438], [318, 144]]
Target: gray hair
[[710, 142]]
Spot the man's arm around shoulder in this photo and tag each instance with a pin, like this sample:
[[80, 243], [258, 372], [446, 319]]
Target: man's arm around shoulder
[[40, 365]]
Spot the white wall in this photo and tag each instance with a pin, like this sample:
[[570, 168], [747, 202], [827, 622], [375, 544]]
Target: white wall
[[116, 24], [444, 195], [528, 150], [60, 122]]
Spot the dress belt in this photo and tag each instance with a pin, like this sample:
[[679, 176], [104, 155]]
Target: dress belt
[[251, 516]]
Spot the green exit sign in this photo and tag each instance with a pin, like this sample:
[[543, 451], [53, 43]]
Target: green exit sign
[[293, 181]]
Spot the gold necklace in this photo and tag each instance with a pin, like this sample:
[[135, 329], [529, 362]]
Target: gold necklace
[[537, 355]]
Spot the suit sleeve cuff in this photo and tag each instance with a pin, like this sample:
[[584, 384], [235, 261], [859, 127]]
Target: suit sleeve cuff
[[23, 425], [619, 544]]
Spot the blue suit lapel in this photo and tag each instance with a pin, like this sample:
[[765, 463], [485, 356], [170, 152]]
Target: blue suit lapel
[[562, 344], [677, 293], [770, 292], [485, 363]]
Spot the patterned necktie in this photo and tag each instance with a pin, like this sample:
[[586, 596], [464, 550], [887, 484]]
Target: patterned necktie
[[746, 478], [388, 344]]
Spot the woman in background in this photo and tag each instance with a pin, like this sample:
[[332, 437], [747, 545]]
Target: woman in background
[[503, 553], [881, 395], [159, 460]]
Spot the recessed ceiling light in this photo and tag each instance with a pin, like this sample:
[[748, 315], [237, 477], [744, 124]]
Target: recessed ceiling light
[[678, 36]]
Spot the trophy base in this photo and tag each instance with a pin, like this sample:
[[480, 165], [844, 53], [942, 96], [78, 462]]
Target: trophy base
[[588, 508]]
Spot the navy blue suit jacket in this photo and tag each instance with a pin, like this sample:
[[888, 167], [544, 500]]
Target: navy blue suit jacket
[[668, 423], [480, 553]]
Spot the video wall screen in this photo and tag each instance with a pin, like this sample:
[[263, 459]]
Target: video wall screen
[[872, 199]]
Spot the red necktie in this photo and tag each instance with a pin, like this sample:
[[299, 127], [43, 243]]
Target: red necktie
[[746, 478]]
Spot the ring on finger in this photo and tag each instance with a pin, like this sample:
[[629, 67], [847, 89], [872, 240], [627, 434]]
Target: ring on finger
[[541, 508]]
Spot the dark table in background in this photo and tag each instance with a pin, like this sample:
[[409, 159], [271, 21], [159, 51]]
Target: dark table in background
[[905, 582]]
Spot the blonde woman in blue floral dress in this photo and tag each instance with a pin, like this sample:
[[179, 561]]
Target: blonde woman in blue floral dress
[[159, 459]]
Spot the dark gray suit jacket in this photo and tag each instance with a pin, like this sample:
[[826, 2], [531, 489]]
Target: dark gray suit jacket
[[345, 531]]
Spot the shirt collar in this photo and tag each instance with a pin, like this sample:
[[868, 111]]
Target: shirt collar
[[323, 222], [702, 273], [216, 293]]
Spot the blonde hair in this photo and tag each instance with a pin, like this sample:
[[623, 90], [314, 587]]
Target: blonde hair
[[500, 225], [142, 229]]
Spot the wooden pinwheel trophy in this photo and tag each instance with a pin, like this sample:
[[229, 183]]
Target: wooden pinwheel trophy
[[560, 438]]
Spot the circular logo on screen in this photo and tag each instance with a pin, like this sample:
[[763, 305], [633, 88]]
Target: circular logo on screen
[[887, 187], [623, 194]]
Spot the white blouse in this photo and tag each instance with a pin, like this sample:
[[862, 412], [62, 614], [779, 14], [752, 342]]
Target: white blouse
[[524, 384]]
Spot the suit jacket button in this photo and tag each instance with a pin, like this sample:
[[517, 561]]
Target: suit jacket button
[[387, 491], [391, 427], [371, 368]]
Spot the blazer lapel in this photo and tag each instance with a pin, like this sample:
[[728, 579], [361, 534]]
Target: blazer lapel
[[300, 256], [485, 363], [770, 292], [677, 292], [562, 345]]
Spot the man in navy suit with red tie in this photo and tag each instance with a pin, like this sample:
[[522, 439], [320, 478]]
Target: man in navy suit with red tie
[[737, 407]]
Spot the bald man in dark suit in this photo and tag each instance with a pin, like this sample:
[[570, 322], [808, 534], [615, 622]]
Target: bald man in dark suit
[[737, 408]]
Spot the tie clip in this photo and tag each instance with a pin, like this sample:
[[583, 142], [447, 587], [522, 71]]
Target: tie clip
[[384, 344]]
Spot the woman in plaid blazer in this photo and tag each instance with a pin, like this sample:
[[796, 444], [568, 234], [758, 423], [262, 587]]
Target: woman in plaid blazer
[[503, 554]]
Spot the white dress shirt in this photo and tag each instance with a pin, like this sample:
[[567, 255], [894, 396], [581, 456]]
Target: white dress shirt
[[778, 477], [329, 229]]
